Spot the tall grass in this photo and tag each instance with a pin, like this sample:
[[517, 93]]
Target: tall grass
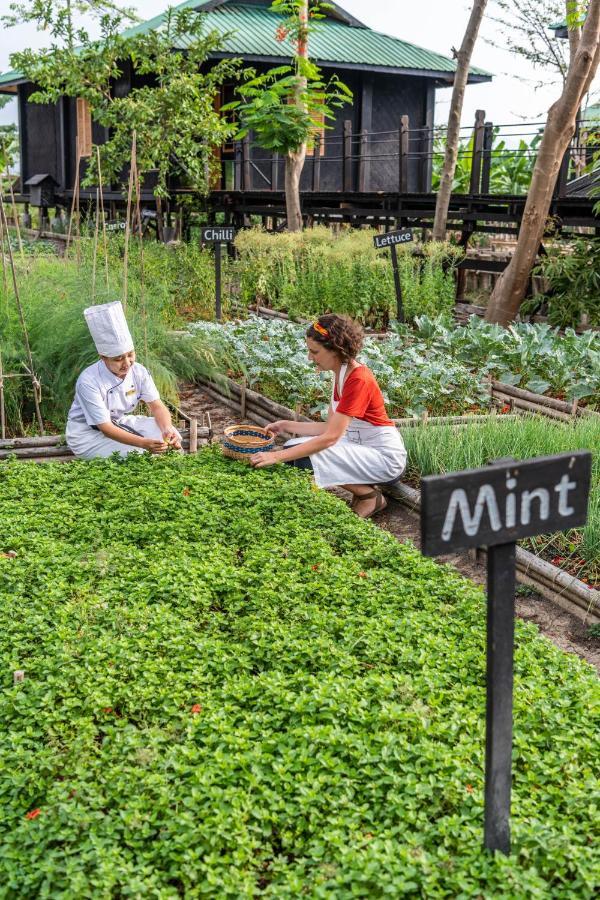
[[54, 293], [439, 449], [316, 271]]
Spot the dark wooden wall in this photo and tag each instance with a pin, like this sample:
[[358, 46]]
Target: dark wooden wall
[[48, 135]]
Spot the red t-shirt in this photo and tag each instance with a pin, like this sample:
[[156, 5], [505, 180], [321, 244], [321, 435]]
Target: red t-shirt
[[362, 398]]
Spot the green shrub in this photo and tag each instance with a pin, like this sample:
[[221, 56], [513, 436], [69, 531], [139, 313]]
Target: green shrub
[[574, 284], [441, 449], [235, 688], [54, 293], [315, 271]]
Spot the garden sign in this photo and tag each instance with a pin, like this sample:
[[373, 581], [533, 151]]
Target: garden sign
[[494, 507], [391, 239], [217, 235]]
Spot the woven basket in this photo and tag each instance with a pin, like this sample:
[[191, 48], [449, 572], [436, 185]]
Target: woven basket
[[241, 441]]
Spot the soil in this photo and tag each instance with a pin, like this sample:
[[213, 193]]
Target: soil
[[563, 629]]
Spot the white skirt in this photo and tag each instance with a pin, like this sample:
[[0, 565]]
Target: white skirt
[[87, 443], [367, 455]]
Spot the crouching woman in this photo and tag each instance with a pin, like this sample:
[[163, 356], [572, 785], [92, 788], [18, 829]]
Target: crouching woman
[[358, 446]]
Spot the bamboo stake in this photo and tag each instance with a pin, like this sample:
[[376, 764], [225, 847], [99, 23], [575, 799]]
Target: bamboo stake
[[23, 325], [95, 250], [4, 276], [2, 410], [104, 240], [128, 224], [142, 274], [74, 199], [13, 204]]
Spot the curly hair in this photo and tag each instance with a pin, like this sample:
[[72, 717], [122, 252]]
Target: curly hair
[[342, 335]]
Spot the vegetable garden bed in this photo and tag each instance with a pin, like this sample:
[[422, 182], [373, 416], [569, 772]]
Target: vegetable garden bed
[[556, 577], [234, 687], [433, 368]]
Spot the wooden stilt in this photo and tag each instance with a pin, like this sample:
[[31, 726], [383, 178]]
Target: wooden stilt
[[104, 239]]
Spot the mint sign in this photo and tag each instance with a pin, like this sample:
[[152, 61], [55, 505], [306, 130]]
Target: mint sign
[[494, 507]]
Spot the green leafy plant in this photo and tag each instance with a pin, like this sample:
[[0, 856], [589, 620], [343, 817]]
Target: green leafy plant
[[313, 272], [172, 112], [573, 276], [233, 687], [176, 283], [443, 449]]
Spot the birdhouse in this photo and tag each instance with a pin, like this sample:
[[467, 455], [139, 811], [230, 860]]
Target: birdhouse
[[41, 190]]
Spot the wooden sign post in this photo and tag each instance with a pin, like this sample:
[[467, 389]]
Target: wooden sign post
[[217, 235], [391, 240], [494, 507]]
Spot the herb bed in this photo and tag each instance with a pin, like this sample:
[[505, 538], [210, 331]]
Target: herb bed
[[235, 687]]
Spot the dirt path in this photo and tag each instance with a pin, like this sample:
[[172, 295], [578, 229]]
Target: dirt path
[[565, 630]]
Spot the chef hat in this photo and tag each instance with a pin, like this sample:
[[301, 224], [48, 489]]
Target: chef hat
[[109, 329]]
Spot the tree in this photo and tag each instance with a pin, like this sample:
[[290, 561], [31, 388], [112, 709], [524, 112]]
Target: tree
[[526, 29], [9, 141], [560, 126], [286, 106], [174, 115], [58, 17], [453, 134]]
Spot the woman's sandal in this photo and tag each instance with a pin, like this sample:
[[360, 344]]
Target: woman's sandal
[[380, 503]]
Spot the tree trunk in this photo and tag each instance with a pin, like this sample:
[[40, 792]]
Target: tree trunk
[[511, 286], [294, 162], [456, 104]]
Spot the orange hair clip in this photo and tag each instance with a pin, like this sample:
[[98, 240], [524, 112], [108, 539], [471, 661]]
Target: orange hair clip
[[320, 329]]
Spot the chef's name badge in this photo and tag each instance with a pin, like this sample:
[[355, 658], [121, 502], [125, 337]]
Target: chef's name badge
[[130, 393]]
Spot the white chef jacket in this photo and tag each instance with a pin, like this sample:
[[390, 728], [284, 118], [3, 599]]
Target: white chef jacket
[[101, 396]]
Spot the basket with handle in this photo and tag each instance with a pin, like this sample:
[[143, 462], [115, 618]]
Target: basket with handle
[[242, 441]]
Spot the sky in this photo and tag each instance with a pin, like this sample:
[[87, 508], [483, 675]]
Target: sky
[[512, 97]]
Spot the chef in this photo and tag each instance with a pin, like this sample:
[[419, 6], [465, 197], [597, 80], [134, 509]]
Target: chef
[[100, 420], [358, 447]]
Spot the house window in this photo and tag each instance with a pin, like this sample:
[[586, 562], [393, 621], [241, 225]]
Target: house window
[[84, 127]]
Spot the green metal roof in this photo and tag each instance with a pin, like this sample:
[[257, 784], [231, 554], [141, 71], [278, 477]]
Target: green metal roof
[[346, 44]]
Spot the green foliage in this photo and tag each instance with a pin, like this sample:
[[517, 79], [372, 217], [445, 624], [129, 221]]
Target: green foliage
[[431, 366], [233, 687], [441, 449], [574, 283], [511, 168], [535, 357], [309, 273], [172, 113], [54, 293], [9, 142], [284, 107]]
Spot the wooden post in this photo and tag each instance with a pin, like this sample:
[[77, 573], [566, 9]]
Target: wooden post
[[486, 162], [403, 136], [362, 161], [246, 174], [347, 155], [274, 171], [193, 435], [501, 564], [237, 166], [563, 174], [316, 182], [218, 281], [475, 184], [243, 399]]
